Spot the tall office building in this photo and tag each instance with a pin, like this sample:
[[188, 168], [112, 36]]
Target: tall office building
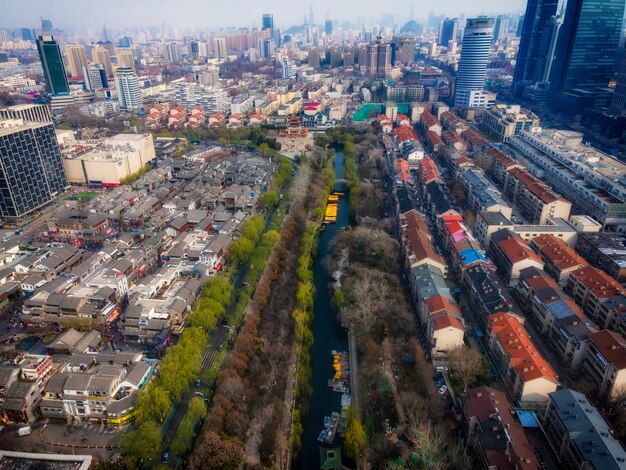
[[52, 64], [585, 54], [125, 59], [102, 56], [287, 69], [268, 21], [372, 59], [470, 78], [76, 59], [328, 27], [501, 26], [448, 30], [618, 101], [194, 49], [172, 53], [27, 34], [314, 57], [533, 56], [31, 173], [95, 77], [27, 112], [348, 57], [128, 92], [384, 58], [267, 48], [46, 25], [219, 48], [403, 50]]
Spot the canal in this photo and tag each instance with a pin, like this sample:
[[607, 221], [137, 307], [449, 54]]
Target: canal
[[329, 335]]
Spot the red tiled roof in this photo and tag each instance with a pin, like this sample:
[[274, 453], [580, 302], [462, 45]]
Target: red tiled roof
[[598, 282], [438, 303], [517, 250], [501, 158], [434, 138], [428, 120], [445, 320], [612, 346], [557, 252], [524, 357], [537, 187], [404, 133], [450, 137], [473, 138], [491, 408]]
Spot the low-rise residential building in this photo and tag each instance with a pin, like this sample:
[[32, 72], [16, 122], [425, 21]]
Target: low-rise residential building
[[562, 322], [600, 296], [605, 363], [511, 254], [559, 258], [502, 122], [490, 430], [606, 251], [579, 435], [488, 223], [486, 295], [481, 193], [535, 200], [499, 165], [527, 373]]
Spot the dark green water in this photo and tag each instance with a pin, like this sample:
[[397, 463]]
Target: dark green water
[[329, 335]]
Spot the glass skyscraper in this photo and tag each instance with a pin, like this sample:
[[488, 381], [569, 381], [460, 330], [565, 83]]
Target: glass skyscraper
[[470, 78], [268, 21], [448, 30], [32, 170], [587, 46], [52, 64], [534, 44]]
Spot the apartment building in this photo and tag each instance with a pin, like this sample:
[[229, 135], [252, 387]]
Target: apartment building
[[535, 200], [605, 363], [527, 373], [482, 195], [559, 258], [562, 322], [592, 180], [579, 434], [492, 432], [499, 165], [600, 296], [606, 251], [501, 122], [511, 254]]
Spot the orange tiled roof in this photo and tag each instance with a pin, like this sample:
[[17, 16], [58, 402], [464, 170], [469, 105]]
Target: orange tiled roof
[[523, 354], [598, 282], [537, 187], [559, 253]]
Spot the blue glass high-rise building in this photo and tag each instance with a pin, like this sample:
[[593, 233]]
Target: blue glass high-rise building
[[585, 54], [448, 31], [52, 65], [32, 172], [534, 43], [267, 21]]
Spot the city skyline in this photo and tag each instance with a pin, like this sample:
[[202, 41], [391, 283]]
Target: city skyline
[[81, 16]]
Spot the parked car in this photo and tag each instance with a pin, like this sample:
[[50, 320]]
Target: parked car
[[443, 389], [166, 457]]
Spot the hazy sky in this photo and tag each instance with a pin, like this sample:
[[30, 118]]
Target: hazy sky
[[92, 14]]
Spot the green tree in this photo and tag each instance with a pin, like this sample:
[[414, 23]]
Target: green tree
[[270, 198], [240, 250], [141, 444], [355, 437], [152, 405]]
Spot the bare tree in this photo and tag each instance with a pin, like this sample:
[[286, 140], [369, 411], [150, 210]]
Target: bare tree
[[368, 294], [466, 364], [430, 447]]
